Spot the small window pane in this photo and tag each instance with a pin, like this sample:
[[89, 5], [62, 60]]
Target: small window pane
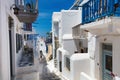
[[68, 63], [107, 47], [108, 62]]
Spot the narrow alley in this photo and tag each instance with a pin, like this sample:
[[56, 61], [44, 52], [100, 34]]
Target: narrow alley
[[46, 73], [43, 71], [59, 39]]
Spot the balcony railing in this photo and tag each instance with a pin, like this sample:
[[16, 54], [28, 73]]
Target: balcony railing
[[98, 9], [26, 12]]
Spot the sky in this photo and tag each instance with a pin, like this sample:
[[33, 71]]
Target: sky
[[43, 23]]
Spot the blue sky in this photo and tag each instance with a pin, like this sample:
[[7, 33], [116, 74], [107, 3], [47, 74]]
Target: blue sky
[[46, 8]]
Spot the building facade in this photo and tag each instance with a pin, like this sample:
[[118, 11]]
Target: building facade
[[101, 21], [11, 41], [95, 53]]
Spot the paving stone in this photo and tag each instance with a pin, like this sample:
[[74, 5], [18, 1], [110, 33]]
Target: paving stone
[[44, 73]]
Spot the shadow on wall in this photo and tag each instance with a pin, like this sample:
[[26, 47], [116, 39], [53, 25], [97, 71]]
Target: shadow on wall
[[27, 58], [81, 45], [46, 73]]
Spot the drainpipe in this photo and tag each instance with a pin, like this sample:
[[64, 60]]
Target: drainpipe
[[36, 4]]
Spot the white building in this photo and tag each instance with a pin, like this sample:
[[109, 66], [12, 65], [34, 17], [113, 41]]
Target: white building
[[41, 46], [11, 39], [9, 26], [56, 38], [103, 41], [99, 31], [65, 20]]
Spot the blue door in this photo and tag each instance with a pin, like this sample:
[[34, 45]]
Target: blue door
[[107, 61]]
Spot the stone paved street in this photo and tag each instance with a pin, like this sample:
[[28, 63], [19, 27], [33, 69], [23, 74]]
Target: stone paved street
[[45, 73]]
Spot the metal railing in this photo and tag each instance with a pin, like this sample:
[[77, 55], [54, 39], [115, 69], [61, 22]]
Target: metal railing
[[98, 9], [27, 10], [27, 6]]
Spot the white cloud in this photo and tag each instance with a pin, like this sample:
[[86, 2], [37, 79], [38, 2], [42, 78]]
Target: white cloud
[[43, 14]]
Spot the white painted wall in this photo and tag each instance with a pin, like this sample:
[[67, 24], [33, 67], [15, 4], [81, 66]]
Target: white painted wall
[[0, 48], [115, 42], [84, 76], [42, 46], [91, 45], [96, 52], [4, 46], [14, 49], [58, 57], [5, 12], [103, 31], [116, 56], [69, 19], [65, 73], [55, 29], [79, 63], [69, 44]]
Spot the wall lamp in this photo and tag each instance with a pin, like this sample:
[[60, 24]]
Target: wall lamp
[[15, 8]]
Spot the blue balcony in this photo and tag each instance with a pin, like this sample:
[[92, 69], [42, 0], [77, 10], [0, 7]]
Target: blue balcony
[[98, 9], [27, 10]]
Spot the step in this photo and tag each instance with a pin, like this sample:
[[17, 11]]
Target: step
[[28, 76]]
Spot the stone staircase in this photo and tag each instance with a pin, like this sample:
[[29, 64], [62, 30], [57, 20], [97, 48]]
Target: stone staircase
[[55, 62], [50, 76], [28, 76]]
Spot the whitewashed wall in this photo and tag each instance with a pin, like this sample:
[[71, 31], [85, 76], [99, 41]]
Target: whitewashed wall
[[65, 71], [69, 45], [79, 63], [69, 19], [4, 46], [63, 54], [55, 29], [6, 12], [115, 40]]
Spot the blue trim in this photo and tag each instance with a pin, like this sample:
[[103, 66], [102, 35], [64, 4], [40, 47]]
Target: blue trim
[[105, 52], [97, 9]]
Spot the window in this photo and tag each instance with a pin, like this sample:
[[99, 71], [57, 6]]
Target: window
[[106, 47], [27, 26], [68, 63], [41, 44], [108, 65], [19, 42], [25, 37]]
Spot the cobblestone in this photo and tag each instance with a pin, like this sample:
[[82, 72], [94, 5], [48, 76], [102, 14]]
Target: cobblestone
[[46, 74], [43, 72]]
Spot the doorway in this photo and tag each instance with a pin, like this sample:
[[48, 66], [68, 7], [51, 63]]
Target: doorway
[[107, 61], [60, 61], [11, 46]]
